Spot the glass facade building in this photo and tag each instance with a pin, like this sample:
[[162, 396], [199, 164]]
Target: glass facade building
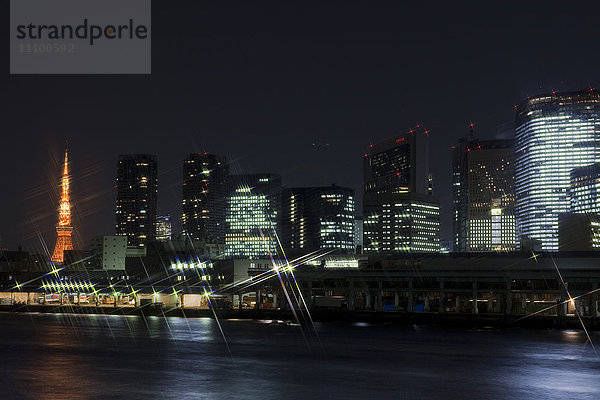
[[401, 223], [554, 134], [579, 229], [318, 218], [585, 189], [137, 192], [253, 216]]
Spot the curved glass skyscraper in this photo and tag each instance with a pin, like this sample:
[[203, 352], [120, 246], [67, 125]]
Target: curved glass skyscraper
[[554, 133]]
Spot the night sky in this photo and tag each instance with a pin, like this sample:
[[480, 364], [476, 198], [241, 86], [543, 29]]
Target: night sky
[[298, 89]]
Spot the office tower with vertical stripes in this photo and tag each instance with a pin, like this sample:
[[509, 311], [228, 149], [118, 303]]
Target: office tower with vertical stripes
[[554, 133]]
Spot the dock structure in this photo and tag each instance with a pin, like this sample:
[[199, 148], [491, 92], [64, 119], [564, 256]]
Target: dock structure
[[494, 287]]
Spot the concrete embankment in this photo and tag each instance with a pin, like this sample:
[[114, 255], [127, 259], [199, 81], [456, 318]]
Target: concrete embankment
[[466, 320]]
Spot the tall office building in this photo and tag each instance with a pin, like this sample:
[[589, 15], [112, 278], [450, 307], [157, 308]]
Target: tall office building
[[399, 164], [253, 215], [554, 133], [407, 223], [318, 218], [483, 195], [205, 180], [399, 210], [137, 192]]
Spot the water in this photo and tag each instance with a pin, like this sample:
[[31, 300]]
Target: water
[[47, 356]]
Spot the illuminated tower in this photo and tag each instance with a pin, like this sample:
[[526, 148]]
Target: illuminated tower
[[63, 228], [554, 133]]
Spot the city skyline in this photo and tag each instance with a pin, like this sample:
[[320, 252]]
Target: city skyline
[[178, 210], [269, 106]]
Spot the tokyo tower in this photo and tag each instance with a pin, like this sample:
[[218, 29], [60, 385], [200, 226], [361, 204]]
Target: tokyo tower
[[63, 228]]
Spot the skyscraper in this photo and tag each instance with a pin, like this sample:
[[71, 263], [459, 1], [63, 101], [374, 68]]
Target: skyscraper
[[554, 133], [399, 210], [63, 228], [483, 195], [137, 192], [399, 164], [205, 183], [253, 216], [318, 218]]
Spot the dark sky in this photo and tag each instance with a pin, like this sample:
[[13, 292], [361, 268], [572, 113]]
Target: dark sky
[[262, 83]]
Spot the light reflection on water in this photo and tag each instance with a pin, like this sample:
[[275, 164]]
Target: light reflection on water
[[71, 356]]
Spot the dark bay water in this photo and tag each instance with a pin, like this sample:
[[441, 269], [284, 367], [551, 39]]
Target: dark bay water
[[47, 356]]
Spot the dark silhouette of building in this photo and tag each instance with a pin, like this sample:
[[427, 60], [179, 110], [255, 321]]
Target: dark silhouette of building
[[578, 232], [137, 192], [399, 164], [205, 188]]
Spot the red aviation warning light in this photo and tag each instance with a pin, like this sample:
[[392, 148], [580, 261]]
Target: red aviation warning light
[[63, 228]]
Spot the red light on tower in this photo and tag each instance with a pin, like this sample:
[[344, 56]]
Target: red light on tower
[[63, 228]]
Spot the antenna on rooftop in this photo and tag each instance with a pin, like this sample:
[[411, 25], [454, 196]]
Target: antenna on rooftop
[[471, 134]]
